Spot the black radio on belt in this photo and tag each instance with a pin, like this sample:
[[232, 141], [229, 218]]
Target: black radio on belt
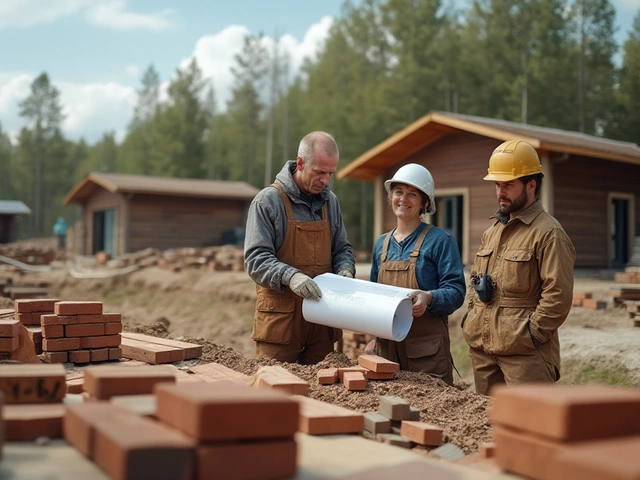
[[484, 286]]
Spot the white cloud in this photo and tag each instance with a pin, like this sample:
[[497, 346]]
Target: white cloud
[[24, 13], [215, 54], [97, 108], [114, 14], [105, 13]]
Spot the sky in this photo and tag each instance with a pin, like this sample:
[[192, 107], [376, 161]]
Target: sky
[[95, 51]]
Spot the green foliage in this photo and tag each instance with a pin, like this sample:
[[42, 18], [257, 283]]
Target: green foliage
[[597, 370]]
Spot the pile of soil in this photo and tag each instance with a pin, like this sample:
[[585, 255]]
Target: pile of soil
[[460, 412]]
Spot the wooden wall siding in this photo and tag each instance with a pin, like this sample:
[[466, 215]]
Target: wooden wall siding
[[168, 222], [104, 200], [581, 193], [459, 160]]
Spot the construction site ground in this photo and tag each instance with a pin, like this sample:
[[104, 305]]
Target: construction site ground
[[215, 309]]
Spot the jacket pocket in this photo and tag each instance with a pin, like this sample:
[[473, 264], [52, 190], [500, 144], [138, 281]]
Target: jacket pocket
[[512, 334], [481, 263], [273, 321], [427, 354], [472, 328], [517, 271]]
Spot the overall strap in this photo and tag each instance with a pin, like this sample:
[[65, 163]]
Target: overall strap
[[385, 246], [416, 248], [285, 199]]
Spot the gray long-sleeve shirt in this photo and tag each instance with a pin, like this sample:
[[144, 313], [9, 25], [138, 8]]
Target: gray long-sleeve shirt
[[267, 228]]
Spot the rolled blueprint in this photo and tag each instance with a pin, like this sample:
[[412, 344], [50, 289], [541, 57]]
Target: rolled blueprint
[[360, 306]]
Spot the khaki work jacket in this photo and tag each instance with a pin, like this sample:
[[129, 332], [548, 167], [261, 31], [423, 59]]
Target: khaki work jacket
[[531, 260]]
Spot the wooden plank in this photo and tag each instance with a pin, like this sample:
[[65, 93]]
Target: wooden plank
[[150, 352], [213, 372], [321, 418], [191, 350]]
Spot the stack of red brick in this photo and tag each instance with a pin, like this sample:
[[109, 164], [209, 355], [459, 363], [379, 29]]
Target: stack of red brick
[[9, 336], [77, 332], [203, 430], [552, 432], [370, 367], [586, 300]]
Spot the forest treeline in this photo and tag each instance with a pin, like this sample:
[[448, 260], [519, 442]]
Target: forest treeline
[[385, 63]]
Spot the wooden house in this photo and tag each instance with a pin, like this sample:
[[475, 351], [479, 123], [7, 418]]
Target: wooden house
[[590, 185], [9, 210], [125, 213]]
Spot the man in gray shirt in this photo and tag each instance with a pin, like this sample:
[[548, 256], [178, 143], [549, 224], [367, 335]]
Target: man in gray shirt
[[294, 232]]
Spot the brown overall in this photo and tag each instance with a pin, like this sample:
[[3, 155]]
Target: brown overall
[[426, 347], [279, 330]]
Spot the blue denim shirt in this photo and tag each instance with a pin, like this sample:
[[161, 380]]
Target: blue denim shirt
[[438, 267], [267, 228]]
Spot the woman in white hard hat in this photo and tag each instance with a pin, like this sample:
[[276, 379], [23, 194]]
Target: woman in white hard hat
[[426, 258]]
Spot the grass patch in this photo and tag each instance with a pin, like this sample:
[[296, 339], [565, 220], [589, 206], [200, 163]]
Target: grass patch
[[597, 370], [460, 354]]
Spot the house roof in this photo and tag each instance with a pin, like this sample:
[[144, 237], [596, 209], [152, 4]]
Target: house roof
[[435, 125], [13, 207], [182, 187]]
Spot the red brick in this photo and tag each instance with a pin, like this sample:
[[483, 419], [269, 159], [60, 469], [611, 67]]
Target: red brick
[[328, 376], [225, 410], [27, 318], [191, 350], [594, 304], [150, 352], [78, 308], [612, 459], [80, 356], [55, 357], [35, 334], [487, 449], [270, 460], [421, 433], [26, 383], [354, 381], [364, 371], [128, 446], [115, 353], [91, 318], [380, 376], [9, 344], [567, 412], [53, 319], [44, 305], [75, 382], [103, 382], [84, 329], [28, 422], [22, 305], [99, 355], [112, 317], [103, 341], [279, 378], [9, 327], [378, 364], [112, 328], [52, 331], [60, 344], [79, 421], [322, 418]]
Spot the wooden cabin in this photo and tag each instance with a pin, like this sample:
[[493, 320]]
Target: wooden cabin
[[9, 211], [125, 213], [590, 185]]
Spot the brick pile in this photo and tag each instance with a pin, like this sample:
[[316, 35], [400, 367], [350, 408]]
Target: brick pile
[[202, 430], [586, 300], [353, 343], [621, 295], [9, 335], [558, 432], [32, 396], [630, 275], [67, 331], [370, 367]]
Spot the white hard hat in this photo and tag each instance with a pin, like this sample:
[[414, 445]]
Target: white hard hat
[[416, 176]]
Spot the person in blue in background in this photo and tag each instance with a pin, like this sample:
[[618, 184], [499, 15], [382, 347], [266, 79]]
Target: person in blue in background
[[425, 258], [60, 230]]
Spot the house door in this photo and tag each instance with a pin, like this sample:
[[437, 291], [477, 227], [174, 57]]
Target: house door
[[449, 216], [619, 224], [104, 223]]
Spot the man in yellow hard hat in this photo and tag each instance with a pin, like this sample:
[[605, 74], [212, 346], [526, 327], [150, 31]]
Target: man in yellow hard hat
[[521, 286]]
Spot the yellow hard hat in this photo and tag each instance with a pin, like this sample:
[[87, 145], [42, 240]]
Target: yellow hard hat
[[513, 159]]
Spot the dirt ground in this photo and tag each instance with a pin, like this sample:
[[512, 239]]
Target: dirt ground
[[215, 309]]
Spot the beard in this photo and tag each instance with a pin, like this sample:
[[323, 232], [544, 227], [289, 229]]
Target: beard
[[515, 205]]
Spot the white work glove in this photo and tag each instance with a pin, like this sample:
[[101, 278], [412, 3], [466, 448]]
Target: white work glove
[[421, 300], [345, 273], [304, 286]]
